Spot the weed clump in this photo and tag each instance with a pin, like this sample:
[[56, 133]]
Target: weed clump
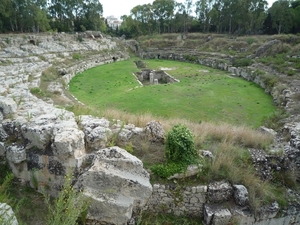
[[180, 152], [68, 207], [180, 145], [242, 62]]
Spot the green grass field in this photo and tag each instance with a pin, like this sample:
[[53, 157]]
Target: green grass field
[[203, 93]]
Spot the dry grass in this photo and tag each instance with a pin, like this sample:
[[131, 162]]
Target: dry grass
[[234, 164], [240, 135], [295, 49]]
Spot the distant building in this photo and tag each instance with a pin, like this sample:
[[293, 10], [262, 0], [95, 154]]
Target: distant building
[[113, 22]]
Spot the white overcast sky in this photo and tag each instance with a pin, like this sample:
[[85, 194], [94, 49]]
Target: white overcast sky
[[118, 8]]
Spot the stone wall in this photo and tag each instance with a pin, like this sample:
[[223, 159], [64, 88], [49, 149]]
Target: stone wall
[[176, 200], [156, 76], [218, 203]]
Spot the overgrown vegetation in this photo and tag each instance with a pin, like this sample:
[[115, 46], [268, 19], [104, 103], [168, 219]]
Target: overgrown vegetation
[[68, 207], [37, 92], [180, 152], [6, 198], [34, 208], [180, 147]]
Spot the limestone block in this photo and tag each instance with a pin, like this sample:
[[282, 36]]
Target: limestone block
[[202, 189], [15, 154], [268, 131], [2, 149], [96, 131], [219, 191], [232, 69], [190, 171], [124, 134], [68, 142], [206, 153], [216, 215], [155, 132], [38, 135], [7, 216], [243, 215], [222, 217], [116, 184], [240, 195], [7, 105], [3, 134], [269, 211]]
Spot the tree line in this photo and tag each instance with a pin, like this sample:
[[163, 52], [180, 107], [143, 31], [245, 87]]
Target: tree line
[[220, 16], [160, 16], [45, 15]]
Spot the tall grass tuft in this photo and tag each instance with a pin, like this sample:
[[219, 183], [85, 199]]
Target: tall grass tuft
[[68, 207], [234, 164]]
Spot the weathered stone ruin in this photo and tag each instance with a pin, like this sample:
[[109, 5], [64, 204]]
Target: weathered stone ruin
[[155, 77], [42, 142]]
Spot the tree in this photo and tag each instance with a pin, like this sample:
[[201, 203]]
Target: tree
[[203, 8], [163, 11], [281, 16], [6, 13], [296, 16]]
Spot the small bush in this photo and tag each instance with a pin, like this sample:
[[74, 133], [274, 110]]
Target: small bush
[[250, 40], [269, 80], [80, 39], [275, 120], [297, 65], [291, 72], [180, 145], [37, 92], [242, 62], [50, 74], [167, 170], [191, 58], [76, 56]]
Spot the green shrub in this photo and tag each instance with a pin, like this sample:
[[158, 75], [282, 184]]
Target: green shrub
[[4, 197], [191, 58], [76, 56], [250, 40], [291, 72], [297, 65], [37, 92], [269, 80], [80, 39], [242, 62], [180, 147], [167, 170]]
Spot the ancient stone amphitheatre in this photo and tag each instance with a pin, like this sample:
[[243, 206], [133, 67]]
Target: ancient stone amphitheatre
[[42, 141]]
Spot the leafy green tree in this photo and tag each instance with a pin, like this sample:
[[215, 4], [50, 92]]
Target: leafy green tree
[[163, 11], [296, 16], [202, 9], [281, 16], [6, 13]]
